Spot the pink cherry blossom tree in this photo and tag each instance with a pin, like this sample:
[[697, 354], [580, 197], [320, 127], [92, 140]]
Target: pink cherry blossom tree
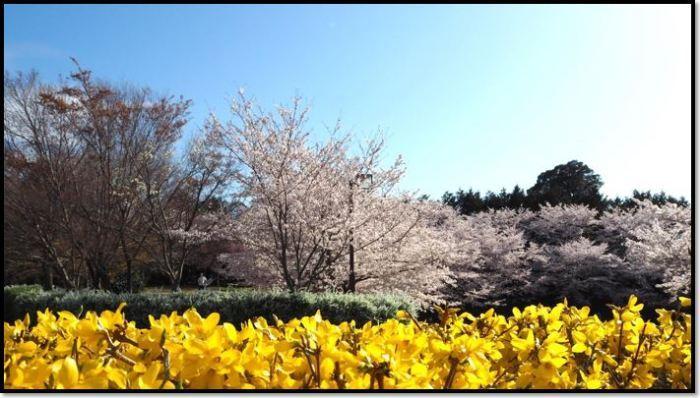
[[493, 261], [558, 224], [655, 239], [313, 204]]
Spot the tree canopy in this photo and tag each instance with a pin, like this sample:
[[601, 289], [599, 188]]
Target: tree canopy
[[569, 183]]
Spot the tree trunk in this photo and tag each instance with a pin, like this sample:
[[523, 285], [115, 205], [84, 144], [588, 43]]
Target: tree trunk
[[48, 275], [104, 279], [178, 279], [93, 280], [100, 276], [352, 281], [351, 248], [128, 277], [127, 260], [175, 285]]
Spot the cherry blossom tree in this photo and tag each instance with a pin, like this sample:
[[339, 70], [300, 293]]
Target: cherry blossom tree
[[655, 239], [407, 248], [559, 224], [494, 260], [311, 205], [518, 257]]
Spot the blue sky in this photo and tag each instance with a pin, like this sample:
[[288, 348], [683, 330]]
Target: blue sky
[[480, 96]]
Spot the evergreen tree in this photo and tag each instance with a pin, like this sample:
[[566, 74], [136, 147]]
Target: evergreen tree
[[570, 183]]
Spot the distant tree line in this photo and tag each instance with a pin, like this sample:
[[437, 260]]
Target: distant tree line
[[573, 183]]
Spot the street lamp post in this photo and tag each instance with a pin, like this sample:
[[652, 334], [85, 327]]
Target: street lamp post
[[352, 279]]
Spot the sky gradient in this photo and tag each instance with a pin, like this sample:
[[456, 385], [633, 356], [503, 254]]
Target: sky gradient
[[472, 96]]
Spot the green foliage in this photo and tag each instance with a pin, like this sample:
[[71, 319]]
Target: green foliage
[[659, 199], [234, 305], [24, 289], [570, 183]]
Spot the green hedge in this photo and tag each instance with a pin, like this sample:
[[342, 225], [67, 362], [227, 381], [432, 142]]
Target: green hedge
[[234, 305]]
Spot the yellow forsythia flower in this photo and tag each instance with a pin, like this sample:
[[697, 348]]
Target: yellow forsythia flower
[[536, 347]]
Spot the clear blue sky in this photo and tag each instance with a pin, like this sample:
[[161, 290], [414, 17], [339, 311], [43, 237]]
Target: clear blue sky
[[480, 96]]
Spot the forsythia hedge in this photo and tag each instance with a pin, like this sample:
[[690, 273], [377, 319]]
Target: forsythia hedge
[[537, 347]]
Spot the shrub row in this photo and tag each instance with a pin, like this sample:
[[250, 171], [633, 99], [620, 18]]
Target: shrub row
[[234, 305]]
